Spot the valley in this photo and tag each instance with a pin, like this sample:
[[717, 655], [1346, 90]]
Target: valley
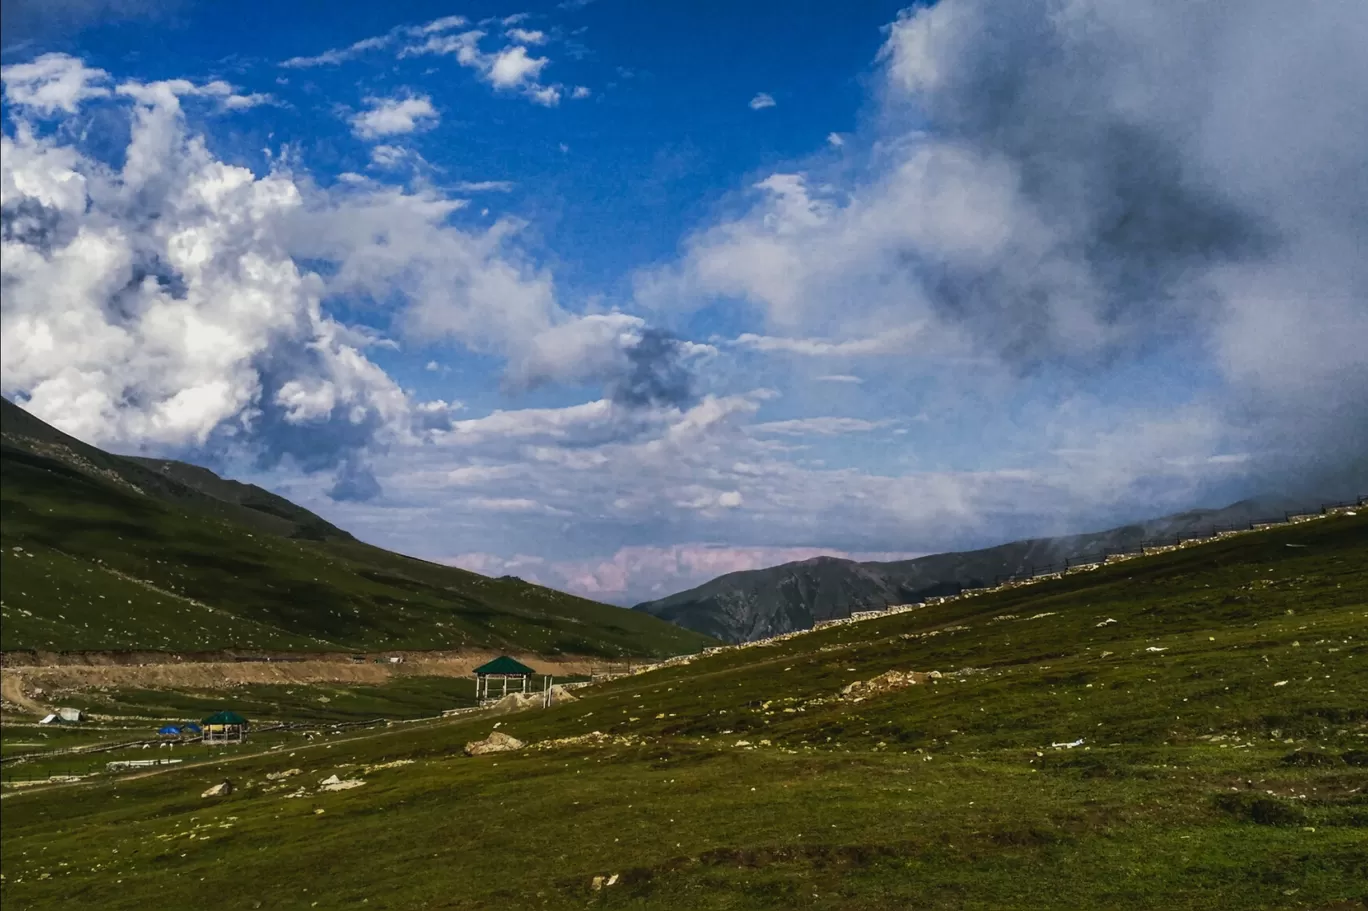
[[1182, 730]]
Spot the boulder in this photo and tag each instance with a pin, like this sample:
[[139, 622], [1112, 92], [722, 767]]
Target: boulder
[[333, 783], [560, 694], [516, 702], [276, 776], [497, 742], [222, 789]]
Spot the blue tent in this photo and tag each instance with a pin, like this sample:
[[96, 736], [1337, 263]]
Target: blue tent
[[169, 729], [190, 728]]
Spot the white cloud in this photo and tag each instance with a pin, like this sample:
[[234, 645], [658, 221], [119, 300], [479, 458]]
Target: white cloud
[[899, 341], [388, 156], [839, 378], [510, 69], [513, 67], [162, 305], [581, 91], [338, 56], [761, 101], [835, 140], [53, 82], [485, 186], [523, 36], [395, 116], [446, 23], [169, 91], [820, 426]]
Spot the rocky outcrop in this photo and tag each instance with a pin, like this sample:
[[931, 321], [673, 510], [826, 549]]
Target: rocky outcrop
[[497, 742]]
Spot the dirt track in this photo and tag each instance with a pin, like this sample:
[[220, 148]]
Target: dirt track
[[22, 682]]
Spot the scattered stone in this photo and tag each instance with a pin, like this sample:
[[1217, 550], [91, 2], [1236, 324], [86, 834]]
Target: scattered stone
[[277, 776], [222, 789], [497, 742], [333, 783], [394, 764], [886, 682]]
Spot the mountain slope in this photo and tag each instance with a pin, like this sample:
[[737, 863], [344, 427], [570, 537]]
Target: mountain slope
[[1183, 731], [103, 552], [754, 604]]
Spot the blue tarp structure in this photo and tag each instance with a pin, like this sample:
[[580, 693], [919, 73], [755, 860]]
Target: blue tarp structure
[[169, 729], [190, 728]]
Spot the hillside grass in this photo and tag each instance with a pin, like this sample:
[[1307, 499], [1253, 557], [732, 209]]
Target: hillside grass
[[1224, 728], [89, 564]]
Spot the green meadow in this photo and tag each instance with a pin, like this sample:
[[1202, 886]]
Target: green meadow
[[1188, 730]]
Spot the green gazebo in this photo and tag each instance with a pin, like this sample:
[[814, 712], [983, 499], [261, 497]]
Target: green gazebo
[[503, 669], [224, 727]]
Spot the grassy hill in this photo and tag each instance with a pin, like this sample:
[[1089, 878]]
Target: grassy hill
[[102, 552], [1181, 731], [758, 603]]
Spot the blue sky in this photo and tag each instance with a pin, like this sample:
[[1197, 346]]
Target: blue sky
[[618, 296]]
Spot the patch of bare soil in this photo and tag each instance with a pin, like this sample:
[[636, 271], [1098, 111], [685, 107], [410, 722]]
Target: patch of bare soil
[[28, 685]]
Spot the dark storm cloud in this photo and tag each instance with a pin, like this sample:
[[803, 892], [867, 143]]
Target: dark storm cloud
[[656, 374]]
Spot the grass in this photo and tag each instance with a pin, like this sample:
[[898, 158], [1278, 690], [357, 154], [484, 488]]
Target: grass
[[1222, 715], [87, 564]]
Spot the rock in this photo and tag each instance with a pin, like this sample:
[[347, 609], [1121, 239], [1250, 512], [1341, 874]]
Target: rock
[[516, 702], [560, 694], [885, 683], [222, 789], [497, 742], [346, 784], [277, 776], [333, 783]]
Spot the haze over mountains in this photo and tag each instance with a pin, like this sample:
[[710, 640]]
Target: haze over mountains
[[754, 604], [111, 553]]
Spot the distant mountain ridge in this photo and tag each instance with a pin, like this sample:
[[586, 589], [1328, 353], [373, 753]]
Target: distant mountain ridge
[[753, 604]]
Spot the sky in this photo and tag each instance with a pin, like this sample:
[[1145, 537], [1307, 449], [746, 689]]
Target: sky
[[621, 296]]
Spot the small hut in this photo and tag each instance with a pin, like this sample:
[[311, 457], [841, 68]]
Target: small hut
[[224, 727], [502, 669]]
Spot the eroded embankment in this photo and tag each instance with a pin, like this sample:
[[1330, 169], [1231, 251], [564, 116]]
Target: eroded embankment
[[35, 686]]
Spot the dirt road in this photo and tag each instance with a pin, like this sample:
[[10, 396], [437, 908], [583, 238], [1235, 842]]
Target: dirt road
[[34, 687]]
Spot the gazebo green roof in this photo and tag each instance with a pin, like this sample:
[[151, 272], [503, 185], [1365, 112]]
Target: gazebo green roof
[[504, 665], [225, 717]]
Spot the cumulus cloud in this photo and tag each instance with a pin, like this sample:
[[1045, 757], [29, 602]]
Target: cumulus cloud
[[53, 82], [511, 68], [394, 116], [761, 101], [1077, 190], [159, 304], [524, 36]]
